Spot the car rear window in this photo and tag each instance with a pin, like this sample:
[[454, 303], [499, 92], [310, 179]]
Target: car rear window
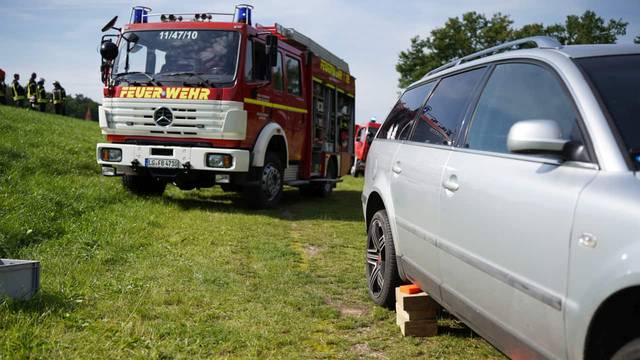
[[616, 79], [442, 116], [404, 111]]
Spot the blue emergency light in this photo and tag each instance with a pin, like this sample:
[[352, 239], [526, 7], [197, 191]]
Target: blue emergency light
[[243, 14], [140, 14], [638, 158]]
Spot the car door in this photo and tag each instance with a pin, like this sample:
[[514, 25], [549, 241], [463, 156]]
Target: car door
[[506, 219], [417, 170]]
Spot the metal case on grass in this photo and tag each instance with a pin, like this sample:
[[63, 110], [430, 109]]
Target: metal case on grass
[[19, 279]]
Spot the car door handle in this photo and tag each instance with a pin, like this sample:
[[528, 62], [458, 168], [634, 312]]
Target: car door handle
[[396, 169], [451, 184]]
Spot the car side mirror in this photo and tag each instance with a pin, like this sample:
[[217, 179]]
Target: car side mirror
[[108, 50], [536, 137]]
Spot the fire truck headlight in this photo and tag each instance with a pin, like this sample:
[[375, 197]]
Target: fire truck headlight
[[111, 154], [223, 161]]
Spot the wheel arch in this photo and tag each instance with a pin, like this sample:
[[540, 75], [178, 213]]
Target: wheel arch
[[272, 138], [375, 203], [607, 331]]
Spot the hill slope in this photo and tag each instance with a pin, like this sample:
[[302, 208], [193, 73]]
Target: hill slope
[[191, 274]]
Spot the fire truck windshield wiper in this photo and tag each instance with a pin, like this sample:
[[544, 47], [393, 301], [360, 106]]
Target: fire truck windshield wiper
[[152, 80], [198, 76]]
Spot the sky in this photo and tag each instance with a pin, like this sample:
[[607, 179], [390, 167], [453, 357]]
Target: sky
[[59, 39]]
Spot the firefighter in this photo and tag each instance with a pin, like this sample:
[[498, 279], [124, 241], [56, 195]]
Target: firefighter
[[41, 95], [3, 89], [17, 91], [59, 96], [32, 92]]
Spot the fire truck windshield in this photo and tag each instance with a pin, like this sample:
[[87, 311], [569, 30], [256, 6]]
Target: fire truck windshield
[[192, 57]]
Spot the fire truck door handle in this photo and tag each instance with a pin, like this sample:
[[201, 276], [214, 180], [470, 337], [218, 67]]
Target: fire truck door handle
[[396, 169]]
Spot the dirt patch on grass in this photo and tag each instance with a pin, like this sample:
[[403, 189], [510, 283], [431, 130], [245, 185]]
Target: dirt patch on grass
[[365, 352], [311, 250], [347, 310]]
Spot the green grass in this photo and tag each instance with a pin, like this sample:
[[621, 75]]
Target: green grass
[[188, 275]]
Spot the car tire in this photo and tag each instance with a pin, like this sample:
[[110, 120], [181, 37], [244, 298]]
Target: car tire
[[631, 351], [144, 185], [268, 193], [381, 264]]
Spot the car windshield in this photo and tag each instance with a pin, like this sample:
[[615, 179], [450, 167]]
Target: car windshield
[[191, 57], [616, 79]]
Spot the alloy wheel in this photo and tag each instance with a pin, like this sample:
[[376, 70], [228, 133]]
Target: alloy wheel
[[375, 258]]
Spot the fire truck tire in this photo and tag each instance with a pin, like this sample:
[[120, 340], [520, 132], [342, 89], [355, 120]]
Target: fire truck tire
[[325, 189], [353, 171], [269, 193], [143, 185], [322, 189]]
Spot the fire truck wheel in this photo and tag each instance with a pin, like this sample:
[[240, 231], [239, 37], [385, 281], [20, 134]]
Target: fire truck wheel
[[143, 185], [325, 189], [269, 193], [354, 171]]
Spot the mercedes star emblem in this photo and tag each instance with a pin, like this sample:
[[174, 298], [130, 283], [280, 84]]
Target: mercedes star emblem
[[163, 116]]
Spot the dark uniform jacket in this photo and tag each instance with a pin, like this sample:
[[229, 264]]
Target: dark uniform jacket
[[59, 95], [32, 89], [17, 91]]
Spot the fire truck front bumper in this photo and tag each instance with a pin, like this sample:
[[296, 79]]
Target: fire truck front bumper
[[120, 159]]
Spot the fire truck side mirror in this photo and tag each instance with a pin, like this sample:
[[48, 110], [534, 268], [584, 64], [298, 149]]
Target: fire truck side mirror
[[108, 50], [272, 50], [110, 24]]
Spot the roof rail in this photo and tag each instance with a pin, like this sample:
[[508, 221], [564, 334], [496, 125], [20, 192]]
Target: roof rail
[[296, 36], [541, 42]]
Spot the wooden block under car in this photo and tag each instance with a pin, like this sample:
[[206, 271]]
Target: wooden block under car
[[417, 328], [416, 302], [416, 314]]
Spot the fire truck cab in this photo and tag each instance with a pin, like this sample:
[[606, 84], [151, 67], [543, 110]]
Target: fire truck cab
[[196, 101], [363, 138]]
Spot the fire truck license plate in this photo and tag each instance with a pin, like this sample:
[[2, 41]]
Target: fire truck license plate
[[162, 163]]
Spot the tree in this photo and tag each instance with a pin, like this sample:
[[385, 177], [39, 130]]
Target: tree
[[77, 107], [473, 32]]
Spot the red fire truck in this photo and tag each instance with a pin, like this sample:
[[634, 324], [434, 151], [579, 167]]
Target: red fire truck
[[364, 136], [197, 101]]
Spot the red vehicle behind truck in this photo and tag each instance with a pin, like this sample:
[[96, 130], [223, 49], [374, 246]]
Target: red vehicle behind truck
[[363, 138], [196, 101]]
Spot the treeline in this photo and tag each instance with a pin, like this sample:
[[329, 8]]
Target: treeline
[[81, 107], [472, 32]]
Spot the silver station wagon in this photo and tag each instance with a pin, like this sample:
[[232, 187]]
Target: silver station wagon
[[506, 185]]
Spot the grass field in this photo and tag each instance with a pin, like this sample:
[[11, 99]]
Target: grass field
[[188, 275]]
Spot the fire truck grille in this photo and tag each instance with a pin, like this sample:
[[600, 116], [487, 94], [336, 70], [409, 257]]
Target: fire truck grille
[[193, 118]]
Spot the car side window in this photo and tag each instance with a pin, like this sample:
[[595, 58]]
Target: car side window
[[516, 92], [293, 76], [441, 118], [277, 79], [400, 119]]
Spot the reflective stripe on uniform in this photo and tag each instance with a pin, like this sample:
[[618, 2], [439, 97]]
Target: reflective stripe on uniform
[[58, 96], [16, 92]]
